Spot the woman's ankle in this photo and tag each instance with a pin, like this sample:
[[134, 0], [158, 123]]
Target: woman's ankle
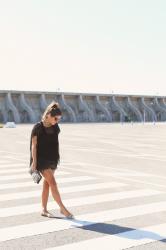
[[44, 210]]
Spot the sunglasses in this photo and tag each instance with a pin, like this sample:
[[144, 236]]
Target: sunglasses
[[57, 118]]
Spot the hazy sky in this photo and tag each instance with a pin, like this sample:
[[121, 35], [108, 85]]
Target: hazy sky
[[83, 45]]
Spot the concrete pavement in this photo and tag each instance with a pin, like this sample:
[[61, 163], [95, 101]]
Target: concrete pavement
[[112, 177]]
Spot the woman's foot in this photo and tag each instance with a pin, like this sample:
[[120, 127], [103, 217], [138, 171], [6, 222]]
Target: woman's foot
[[66, 213], [46, 213]]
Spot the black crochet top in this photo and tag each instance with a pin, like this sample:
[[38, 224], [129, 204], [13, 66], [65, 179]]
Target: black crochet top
[[47, 153]]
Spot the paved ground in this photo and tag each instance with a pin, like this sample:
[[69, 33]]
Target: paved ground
[[112, 177]]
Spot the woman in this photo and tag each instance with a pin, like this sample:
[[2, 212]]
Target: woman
[[44, 155]]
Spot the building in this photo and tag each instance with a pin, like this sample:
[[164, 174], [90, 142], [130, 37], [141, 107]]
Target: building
[[28, 106]]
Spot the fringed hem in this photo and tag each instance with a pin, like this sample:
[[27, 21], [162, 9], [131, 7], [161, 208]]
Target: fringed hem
[[41, 169], [45, 164]]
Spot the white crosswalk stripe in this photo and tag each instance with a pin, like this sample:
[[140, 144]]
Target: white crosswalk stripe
[[75, 189], [119, 241], [2, 166], [13, 170], [24, 175], [30, 184], [25, 209], [4, 162]]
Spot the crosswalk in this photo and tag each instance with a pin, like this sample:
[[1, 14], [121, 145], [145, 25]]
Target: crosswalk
[[29, 183], [20, 197], [74, 189], [6, 175], [126, 239]]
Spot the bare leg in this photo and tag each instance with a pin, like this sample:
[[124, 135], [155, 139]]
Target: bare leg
[[48, 175], [45, 193]]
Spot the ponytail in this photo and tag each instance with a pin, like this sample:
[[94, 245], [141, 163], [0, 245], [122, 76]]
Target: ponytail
[[53, 108]]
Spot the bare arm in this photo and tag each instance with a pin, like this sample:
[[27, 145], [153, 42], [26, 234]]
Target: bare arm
[[34, 144]]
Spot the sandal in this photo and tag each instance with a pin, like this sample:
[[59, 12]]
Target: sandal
[[70, 216], [46, 214]]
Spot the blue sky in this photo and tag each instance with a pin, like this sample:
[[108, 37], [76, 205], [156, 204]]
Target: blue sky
[[83, 46]]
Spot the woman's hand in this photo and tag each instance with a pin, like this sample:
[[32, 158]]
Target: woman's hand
[[33, 166]]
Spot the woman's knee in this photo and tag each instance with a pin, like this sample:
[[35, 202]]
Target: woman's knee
[[49, 177], [52, 181], [45, 183]]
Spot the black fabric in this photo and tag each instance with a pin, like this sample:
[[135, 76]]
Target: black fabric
[[47, 146]]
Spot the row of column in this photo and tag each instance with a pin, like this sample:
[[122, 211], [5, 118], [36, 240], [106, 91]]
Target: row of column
[[82, 109]]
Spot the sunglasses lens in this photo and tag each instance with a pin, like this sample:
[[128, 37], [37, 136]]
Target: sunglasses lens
[[56, 118]]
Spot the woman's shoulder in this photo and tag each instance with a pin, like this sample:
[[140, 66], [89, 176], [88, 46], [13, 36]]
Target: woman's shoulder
[[37, 124], [36, 127]]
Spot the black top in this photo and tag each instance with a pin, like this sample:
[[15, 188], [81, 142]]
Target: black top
[[47, 153]]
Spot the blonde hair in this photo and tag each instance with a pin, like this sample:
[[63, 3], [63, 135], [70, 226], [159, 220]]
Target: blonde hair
[[50, 107]]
